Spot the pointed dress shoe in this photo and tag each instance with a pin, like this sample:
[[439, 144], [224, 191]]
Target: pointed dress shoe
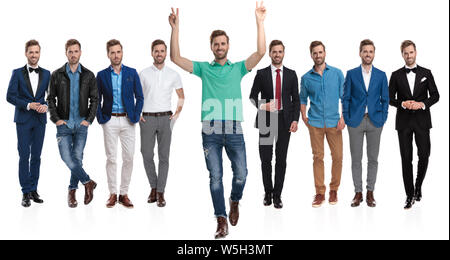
[[267, 199], [35, 197], [26, 200], [409, 203], [277, 203], [418, 195]]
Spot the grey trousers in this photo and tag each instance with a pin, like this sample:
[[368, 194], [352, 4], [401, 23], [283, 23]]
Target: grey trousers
[[373, 135], [156, 128]]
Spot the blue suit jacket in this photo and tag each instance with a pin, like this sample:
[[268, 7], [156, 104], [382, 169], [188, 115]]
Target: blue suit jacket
[[356, 97], [20, 93], [131, 91]]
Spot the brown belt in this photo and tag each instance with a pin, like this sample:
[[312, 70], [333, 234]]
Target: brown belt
[[119, 114], [168, 113]]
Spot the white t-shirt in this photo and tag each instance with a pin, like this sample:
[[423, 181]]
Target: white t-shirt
[[158, 86]]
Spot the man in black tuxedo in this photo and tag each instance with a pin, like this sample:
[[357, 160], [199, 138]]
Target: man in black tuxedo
[[413, 91], [277, 117]]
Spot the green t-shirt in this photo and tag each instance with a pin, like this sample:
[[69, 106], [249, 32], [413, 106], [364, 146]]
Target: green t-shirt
[[221, 89]]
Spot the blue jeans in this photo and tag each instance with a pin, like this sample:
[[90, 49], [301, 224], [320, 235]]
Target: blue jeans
[[216, 135], [71, 144]]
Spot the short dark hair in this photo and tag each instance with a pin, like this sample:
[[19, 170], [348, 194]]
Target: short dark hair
[[275, 43], [407, 43], [217, 33], [72, 42], [31, 43], [365, 43], [158, 42], [314, 44], [111, 43]]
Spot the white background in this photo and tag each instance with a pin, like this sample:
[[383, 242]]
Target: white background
[[341, 25]]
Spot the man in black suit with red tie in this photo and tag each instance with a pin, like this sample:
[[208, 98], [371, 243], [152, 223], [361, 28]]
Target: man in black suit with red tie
[[277, 117], [413, 91]]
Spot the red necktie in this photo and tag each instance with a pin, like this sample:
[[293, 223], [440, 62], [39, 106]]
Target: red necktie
[[278, 90]]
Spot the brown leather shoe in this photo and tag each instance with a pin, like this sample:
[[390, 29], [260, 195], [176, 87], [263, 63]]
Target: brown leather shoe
[[318, 200], [222, 228], [111, 201], [161, 201], [333, 197], [234, 212], [152, 196], [71, 199], [125, 201], [357, 199], [89, 191], [371, 200]]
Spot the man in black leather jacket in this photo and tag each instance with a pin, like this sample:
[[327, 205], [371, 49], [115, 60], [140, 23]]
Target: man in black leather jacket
[[72, 102]]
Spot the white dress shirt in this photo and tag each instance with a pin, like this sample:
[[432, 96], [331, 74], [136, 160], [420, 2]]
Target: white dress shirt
[[34, 80], [274, 80], [411, 81], [366, 76], [158, 86]]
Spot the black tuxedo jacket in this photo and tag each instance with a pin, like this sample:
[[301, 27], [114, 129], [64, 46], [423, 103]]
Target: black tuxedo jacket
[[425, 91], [263, 84]]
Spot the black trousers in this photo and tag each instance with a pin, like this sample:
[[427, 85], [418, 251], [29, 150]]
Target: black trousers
[[267, 136], [422, 138]]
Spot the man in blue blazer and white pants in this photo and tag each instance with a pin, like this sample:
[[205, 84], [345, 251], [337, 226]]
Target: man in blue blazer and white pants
[[365, 109], [119, 87], [26, 91]]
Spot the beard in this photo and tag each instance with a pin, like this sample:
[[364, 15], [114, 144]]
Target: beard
[[158, 60], [74, 61], [319, 62], [116, 62], [33, 62], [221, 56], [277, 61], [365, 62]]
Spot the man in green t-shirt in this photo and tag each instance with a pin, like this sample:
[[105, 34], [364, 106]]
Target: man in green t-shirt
[[222, 112]]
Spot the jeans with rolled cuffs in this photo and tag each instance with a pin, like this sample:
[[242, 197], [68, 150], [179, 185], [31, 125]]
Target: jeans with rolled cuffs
[[217, 135], [71, 143]]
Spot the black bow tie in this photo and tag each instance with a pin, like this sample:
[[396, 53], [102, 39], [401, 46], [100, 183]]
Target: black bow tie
[[409, 70], [30, 69]]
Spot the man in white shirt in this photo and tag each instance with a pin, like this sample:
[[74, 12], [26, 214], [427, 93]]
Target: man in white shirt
[[158, 83], [26, 91]]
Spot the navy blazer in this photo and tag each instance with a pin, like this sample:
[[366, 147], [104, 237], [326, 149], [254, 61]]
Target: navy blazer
[[356, 97], [20, 94], [131, 91]]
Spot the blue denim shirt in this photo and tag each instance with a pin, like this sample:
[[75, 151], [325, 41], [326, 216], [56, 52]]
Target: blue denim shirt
[[74, 115], [116, 80], [324, 93]]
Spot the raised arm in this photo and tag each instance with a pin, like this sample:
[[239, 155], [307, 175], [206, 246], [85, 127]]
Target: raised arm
[[254, 59], [175, 56]]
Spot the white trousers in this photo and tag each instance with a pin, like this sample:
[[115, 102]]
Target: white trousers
[[119, 128]]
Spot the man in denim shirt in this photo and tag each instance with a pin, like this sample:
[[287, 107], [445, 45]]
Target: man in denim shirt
[[323, 85], [72, 101]]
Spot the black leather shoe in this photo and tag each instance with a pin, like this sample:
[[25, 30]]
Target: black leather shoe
[[409, 203], [268, 199], [418, 194], [277, 203], [35, 197], [26, 200]]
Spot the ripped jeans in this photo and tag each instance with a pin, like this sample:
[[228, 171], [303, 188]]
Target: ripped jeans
[[216, 135]]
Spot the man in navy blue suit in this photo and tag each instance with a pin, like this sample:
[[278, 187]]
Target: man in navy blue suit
[[26, 91], [365, 109], [119, 87]]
